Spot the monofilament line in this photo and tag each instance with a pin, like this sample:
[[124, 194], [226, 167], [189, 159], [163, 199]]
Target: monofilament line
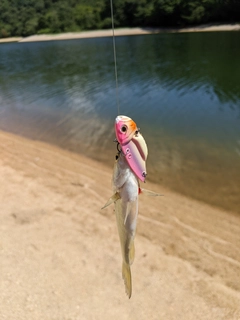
[[115, 58]]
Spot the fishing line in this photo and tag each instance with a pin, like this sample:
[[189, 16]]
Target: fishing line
[[115, 58]]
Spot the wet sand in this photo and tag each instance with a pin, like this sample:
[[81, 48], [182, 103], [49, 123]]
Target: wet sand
[[60, 253]]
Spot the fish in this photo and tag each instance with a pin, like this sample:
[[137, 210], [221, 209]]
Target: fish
[[129, 168]]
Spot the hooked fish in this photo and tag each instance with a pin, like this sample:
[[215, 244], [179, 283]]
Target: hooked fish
[[129, 168]]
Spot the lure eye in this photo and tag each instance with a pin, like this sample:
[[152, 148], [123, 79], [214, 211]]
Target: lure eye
[[123, 128]]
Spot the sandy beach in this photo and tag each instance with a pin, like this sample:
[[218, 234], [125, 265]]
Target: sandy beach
[[129, 32], [10, 39], [123, 32], [60, 253]]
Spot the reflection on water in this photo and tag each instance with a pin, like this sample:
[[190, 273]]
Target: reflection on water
[[183, 90]]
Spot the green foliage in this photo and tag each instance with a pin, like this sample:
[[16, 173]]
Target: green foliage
[[51, 21], [31, 26], [26, 17], [194, 12], [86, 17]]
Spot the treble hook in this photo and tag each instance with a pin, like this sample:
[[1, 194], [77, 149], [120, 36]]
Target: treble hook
[[118, 144], [119, 150]]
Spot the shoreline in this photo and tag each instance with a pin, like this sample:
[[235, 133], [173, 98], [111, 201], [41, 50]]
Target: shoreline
[[11, 39], [202, 193], [123, 32], [60, 253]]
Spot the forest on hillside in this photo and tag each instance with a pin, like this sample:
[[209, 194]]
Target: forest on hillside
[[27, 17]]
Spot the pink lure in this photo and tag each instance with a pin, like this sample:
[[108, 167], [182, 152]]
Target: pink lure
[[132, 144]]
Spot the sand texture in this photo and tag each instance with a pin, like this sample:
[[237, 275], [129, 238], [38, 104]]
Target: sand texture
[[122, 32], [129, 32], [10, 39], [60, 255]]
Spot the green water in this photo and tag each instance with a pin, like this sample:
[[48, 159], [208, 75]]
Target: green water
[[183, 90]]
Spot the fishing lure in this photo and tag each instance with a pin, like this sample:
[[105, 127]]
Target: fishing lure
[[129, 168]]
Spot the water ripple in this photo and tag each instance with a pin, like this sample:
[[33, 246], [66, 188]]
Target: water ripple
[[183, 90]]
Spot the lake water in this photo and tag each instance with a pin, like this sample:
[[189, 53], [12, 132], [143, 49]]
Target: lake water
[[183, 91]]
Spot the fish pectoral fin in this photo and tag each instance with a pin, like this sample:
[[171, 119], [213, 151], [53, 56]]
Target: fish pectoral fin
[[126, 274], [150, 193], [111, 200]]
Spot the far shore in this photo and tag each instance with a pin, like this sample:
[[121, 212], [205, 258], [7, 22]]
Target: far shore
[[123, 32], [11, 39]]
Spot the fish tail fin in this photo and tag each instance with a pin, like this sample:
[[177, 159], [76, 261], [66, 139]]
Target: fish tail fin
[[113, 198], [126, 274]]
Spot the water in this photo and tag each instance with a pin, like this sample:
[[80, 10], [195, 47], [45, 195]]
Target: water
[[183, 90]]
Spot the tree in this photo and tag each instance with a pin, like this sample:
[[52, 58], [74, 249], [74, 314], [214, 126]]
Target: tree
[[31, 26], [86, 17], [25, 17], [51, 21]]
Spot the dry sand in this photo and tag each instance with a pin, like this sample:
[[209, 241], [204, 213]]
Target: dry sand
[[129, 32], [11, 39], [122, 32], [60, 255]]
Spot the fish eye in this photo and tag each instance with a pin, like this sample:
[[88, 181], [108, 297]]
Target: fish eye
[[124, 128]]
